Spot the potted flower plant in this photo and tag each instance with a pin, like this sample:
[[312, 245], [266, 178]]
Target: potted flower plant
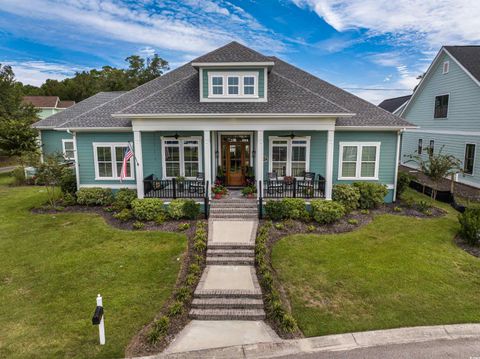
[[219, 190], [249, 191]]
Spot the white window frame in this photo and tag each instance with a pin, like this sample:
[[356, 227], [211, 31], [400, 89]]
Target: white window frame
[[474, 157], [115, 176], [64, 150], [358, 167], [448, 108], [212, 85], [181, 141], [241, 88], [289, 145], [445, 67]]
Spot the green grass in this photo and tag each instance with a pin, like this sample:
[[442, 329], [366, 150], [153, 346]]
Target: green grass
[[397, 271], [53, 266]]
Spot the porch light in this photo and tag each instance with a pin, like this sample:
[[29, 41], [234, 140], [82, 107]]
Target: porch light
[[176, 135]]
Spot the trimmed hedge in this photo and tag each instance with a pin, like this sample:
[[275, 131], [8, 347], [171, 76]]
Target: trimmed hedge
[[95, 196], [287, 208], [183, 209], [124, 198], [325, 212], [470, 225], [372, 195], [347, 195], [147, 209]]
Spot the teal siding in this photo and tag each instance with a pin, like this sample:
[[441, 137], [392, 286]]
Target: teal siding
[[152, 150], [463, 105], [260, 85], [52, 141], [86, 162], [318, 148]]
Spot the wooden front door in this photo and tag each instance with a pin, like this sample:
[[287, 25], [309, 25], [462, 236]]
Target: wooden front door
[[236, 157]]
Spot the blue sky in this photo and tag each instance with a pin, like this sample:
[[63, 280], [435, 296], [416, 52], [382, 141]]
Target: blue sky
[[357, 45]]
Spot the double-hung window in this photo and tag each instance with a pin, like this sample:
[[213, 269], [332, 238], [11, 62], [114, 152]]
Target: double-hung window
[[441, 106], [359, 160], [181, 157], [68, 149], [108, 159], [233, 85], [420, 146], [217, 85], [431, 146], [249, 85], [469, 158], [289, 157]]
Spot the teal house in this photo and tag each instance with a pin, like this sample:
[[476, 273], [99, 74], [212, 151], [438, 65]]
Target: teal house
[[232, 115], [446, 110]]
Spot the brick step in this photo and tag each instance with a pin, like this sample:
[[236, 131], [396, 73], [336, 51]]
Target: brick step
[[232, 246], [230, 253], [233, 210], [227, 303], [238, 261], [227, 294], [232, 215], [227, 314], [233, 204]]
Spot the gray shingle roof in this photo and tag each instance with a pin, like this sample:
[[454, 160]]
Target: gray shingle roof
[[233, 52], [391, 104], [468, 56], [290, 90], [76, 110]]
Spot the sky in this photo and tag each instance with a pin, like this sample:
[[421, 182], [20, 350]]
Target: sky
[[375, 49]]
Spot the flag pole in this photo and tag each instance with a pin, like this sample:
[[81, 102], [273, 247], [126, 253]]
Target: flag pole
[[134, 156]]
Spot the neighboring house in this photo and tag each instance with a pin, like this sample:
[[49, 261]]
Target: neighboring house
[[395, 105], [446, 109], [47, 105], [232, 111]]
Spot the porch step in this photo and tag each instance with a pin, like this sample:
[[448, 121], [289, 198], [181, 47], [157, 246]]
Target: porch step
[[233, 210], [227, 314], [233, 215], [227, 303], [230, 246], [227, 294], [230, 253], [230, 261], [215, 204]]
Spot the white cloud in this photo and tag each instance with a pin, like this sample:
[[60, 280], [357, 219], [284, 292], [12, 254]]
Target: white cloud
[[147, 51], [36, 72], [432, 23], [189, 26]]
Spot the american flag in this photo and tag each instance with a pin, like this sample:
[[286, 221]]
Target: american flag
[[126, 157]]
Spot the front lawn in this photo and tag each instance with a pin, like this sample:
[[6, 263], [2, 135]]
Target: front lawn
[[396, 271], [53, 266]]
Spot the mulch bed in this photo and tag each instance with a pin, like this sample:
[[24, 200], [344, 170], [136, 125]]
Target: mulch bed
[[473, 250]]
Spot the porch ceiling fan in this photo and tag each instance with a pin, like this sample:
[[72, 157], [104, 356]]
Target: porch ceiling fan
[[291, 135]]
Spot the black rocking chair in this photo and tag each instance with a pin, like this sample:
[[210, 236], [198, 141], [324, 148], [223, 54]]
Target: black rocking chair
[[198, 185], [306, 185], [274, 184]]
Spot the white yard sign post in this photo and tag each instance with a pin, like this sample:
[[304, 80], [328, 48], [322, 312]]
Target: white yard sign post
[[98, 319]]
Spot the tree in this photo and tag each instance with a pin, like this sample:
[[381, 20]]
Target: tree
[[16, 134], [49, 173], [436, 166]]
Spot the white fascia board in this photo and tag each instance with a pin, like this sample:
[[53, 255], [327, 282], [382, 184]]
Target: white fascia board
[[462, 67], [252, 116], [236, 64], [445, 132], [372, 128], [96, 129]]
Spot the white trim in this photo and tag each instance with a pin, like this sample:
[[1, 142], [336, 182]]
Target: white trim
[[462, 67], [474, 156], [236, 64], [372, 128], [445, 67], [448, 106], [445, 132], [289, 145], [397, 159], [259, 148], [115, 176], [181, 154], [138, 162], [65, 140], [358, 166], [40, 145], [112, 186], [95, 129], [226, 133], [329, 165], [77, 168], [243, 115], [207, 148]]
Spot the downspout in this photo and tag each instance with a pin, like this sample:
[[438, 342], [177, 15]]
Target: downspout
[[75, 156], [397, 159]]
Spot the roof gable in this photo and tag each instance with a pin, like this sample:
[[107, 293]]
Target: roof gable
[[468, 57], [42, 101], [393, 104], [232, 53]]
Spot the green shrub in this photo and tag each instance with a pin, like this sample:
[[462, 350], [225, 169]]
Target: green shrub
[[161, 218], [371, 194], [294, 208], [347, 195], [288, 323], [423, 206], [69, 199], [470, 225], [364, 211], [138, 225], [183, 208], [124, 215], [191, 279], [68, 181], [124, 198], [147, 209], [183, 294], [183, 226], [279, 226], [194, 268], [353, 221], [95, 196], [18, 175], [397, 209], [325, 212], [403, 180], [275, 210], [175, 309], [311, 228], [159, 329]]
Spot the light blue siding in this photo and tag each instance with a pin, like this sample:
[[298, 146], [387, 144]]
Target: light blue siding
[[260, 85], [86, 161], [52, 141]]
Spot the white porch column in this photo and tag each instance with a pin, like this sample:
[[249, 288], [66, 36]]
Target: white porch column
[[137, 142], [207, 149], [259, 159], [329, 165]]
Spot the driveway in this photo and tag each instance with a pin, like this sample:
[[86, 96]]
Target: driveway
[[6, 169]]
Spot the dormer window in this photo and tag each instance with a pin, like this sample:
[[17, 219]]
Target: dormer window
[[233, 84]]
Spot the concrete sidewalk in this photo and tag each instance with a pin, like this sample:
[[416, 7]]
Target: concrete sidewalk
[[340, 342], [7, 169]]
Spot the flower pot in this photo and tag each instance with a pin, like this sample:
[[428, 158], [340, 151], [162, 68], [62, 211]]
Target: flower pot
[[218, 196], [250, 195]]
